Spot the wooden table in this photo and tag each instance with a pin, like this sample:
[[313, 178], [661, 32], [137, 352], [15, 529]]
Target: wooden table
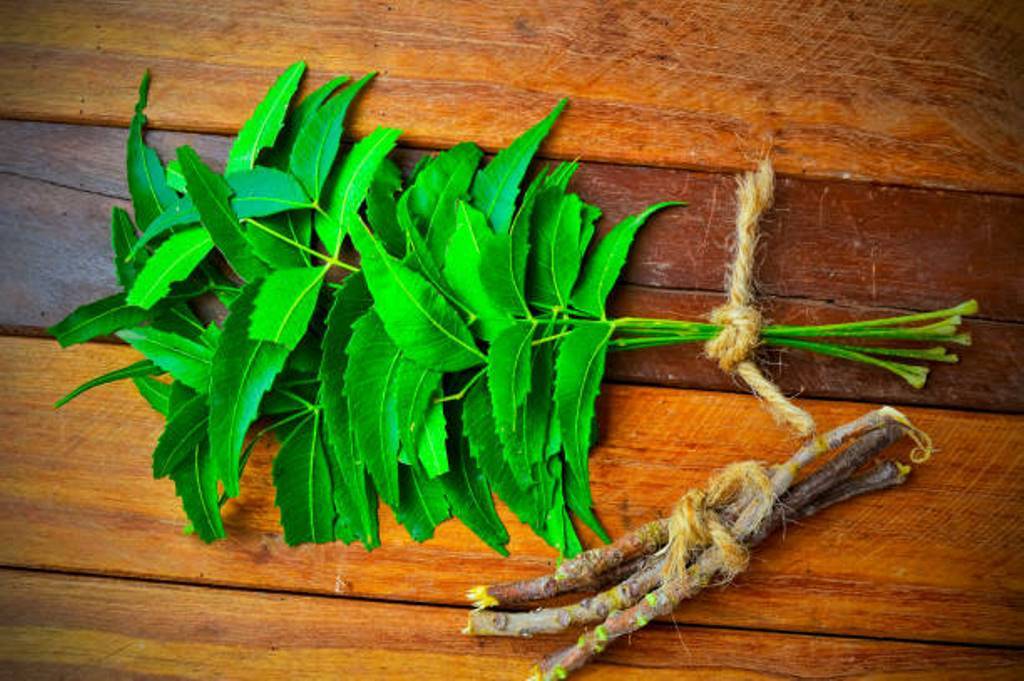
[[898, 131]]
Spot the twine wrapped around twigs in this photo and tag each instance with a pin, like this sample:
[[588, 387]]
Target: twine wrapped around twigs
[[649, 572], [697, 522], [735, 345]]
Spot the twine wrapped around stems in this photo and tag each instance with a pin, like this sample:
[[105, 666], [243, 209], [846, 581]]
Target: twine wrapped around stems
[[735, 345]]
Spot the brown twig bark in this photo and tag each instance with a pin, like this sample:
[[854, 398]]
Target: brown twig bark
[[646, 590]]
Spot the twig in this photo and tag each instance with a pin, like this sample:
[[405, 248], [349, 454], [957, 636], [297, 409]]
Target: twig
[[647, 576], [666, 598], [642, 587]]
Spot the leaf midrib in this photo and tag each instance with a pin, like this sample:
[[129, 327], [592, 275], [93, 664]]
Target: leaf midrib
[[256, 145], [291, 310], [384, 258], [583, 385]]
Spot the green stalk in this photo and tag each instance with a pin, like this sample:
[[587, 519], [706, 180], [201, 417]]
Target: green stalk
[[911, 373], [966, 308]]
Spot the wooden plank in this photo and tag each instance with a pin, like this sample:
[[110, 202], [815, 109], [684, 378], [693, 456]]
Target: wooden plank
[[57, 626], [910, 93], [937, 559], [42, 224], [844, 242]]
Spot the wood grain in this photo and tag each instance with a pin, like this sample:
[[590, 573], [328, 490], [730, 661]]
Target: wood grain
[[935, 560], [923, 93], [58, 183], [81, 627], [843, 242]]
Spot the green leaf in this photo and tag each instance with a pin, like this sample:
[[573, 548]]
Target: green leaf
[[122, 242], [606, 262], [560, 176], [95, 319], [556, 222], [470, 498], [296, 120], [591, 214], [181, 320], [463, 263], [497, 186], [262, 128], [418, 319], [279, 239], [372, 368], [210, 193], [558, 529], [266, 191], [173, 261], [508, 374], [184, 359], [303, 482], [285, 305], [535, 415], [348, 191], [195, 481], [382, 210], [142, 368], [175, 180], [505, 258], [316, 146], [184, 431], [147, 184], [421, 422], [417, 253], [423, 504], [354, 500], [243, 370], [486, 448], [156, 393], [439, 185], [179, 213], [578, 373], [432, 445]]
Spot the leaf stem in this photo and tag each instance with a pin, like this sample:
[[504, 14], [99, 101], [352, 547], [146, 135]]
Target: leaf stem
[[310, 407], [302, 247], [913, 374], [465, 389], [966, 308]]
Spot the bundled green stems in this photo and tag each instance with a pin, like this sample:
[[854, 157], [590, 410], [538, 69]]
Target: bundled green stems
[[940, 326]]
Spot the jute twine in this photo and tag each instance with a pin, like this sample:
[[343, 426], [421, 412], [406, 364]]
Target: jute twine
[[696, 524], [735, 345]]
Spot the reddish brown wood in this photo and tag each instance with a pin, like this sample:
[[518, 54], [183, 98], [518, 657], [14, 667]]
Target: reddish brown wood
[[59, 626], [937, 559], [920, 93]]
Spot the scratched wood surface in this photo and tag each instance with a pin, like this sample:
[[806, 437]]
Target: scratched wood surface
[[88, 628], [76, 493], [898, 130], [922, 93], [832, 251]]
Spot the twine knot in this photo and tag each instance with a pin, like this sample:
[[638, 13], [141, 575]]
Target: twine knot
[[739, 336], [742, 493]]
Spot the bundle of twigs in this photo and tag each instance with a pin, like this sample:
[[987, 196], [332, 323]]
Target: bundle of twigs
[[649, 572]]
